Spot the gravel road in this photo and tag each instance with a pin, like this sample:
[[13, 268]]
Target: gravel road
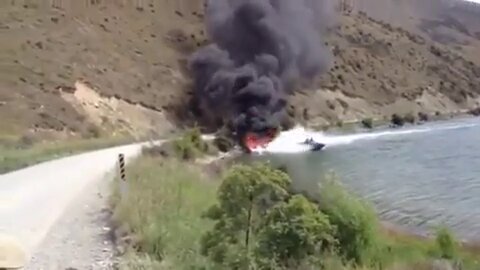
[[57, 210], [81, 238]]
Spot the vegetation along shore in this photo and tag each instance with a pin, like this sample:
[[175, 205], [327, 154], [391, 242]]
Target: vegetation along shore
[[179, 213]]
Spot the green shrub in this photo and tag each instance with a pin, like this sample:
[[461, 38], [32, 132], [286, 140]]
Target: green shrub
[[293, 231], [446, 244], [195, 137], [283, 168], [190, 145], [367, 123], [185, 149], [355, 221]]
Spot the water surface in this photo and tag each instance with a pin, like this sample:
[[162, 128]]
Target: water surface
[[418, 177]]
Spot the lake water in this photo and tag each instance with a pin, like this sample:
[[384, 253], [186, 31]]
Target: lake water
[[418, 177]]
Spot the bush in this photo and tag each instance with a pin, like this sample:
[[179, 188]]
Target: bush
[[409, 118], [446, 244], [283, 168], [94, 132], [367, 123], [292, 232], [185, 149], [194, 136], [27, 141], [190, 145], [355, 221], [223, 143], [423, 117], [475, 112], [397, 120]]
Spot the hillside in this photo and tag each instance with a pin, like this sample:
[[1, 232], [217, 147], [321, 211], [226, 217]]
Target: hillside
[[381, 69], [102, 67], [128, 57]]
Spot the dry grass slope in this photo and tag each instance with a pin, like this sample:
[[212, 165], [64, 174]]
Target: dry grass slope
[[133, 52]]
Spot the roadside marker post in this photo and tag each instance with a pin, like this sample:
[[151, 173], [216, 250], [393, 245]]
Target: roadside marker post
[[123, 180], [121, 160]]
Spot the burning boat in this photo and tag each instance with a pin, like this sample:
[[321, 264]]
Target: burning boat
[[259, 140], [255, 140]]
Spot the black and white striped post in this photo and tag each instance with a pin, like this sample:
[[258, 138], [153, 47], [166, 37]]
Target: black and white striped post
[[123, 180], [121, 163]]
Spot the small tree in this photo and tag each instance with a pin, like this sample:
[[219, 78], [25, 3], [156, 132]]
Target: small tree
[[244, 197], [292, 232], [367, 123], [355, 220]]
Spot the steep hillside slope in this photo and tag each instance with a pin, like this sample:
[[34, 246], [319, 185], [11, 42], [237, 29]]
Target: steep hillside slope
[[399, 56], [380, 69], [91, 68], [452, 22], [131, 56]]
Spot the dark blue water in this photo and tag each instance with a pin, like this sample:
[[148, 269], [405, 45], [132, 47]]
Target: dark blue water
[[418, 180]]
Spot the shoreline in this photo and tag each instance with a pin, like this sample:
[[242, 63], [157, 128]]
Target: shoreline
[[402, 246], [357, 126], [397, 230], [389, 227]]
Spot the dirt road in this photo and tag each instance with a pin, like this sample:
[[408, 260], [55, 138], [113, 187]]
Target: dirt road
[[36, 199]]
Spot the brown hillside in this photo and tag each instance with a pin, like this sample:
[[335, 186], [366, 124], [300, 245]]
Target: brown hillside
[[88, 67], [127, 53], [380, 69]]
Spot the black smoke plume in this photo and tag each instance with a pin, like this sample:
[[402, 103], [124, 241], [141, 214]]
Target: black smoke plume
[[259, 50]]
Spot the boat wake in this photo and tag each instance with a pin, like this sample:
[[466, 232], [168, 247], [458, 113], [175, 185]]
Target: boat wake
[[291, 141]]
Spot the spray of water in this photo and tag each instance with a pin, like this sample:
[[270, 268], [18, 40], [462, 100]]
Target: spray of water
[[291, 141]]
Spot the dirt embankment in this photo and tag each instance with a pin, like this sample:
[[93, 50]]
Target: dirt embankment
[[91, 68]]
